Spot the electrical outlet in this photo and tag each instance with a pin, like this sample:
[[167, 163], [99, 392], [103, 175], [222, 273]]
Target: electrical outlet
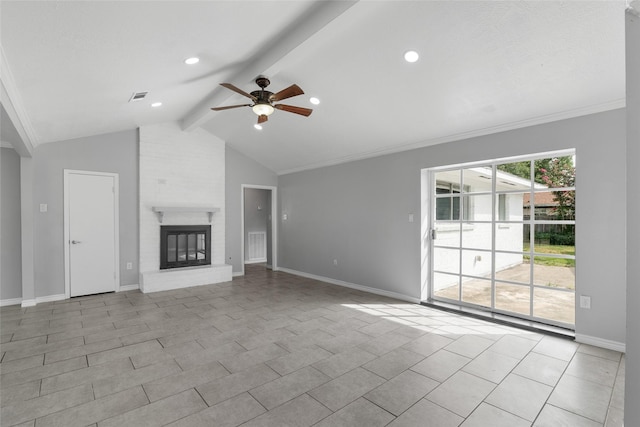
[[335, 262], [585, 301], [129, 266], [410, 217], [43, 207]]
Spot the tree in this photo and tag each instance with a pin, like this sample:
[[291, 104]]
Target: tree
[[560, 173]]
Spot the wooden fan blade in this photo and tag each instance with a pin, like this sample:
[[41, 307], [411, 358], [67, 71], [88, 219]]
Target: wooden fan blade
[[230, 106], [293, 90], [262, 118], [292, 109], [238, 90]]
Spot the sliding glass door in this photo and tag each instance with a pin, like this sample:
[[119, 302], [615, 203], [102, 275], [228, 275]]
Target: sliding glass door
[[502, 237]]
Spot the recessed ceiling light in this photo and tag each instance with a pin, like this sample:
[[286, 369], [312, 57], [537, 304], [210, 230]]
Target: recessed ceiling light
[[314, 100], [257, 126], [156, 104], [411, 56], [191, 61]]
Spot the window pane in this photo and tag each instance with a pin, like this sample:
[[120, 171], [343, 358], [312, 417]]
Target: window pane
[[509, 237], [448, 179], [448, 208], [477, 207], [447, 234], [555, 205], [512, 206], [476, 263], [513, 268], [446, 286], [555, 172], [446, 260], [515, 173], [478, 179], [476, 235], [477, 291], [555, 239], [551, 206], [554, 305], [513, 298], [554, 272]]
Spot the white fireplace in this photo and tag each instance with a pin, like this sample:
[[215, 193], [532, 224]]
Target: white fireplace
[[182, 183]]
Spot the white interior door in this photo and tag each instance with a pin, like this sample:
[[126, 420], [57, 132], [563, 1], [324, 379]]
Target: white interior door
[[91, 232]]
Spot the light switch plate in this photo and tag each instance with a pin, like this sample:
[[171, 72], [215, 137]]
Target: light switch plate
[[43, 207], [585, 302]]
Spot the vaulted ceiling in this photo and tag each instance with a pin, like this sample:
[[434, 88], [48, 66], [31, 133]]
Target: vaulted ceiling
[[70, 68]]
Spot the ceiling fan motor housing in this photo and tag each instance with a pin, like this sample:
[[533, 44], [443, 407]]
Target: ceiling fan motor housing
[[262, 81]]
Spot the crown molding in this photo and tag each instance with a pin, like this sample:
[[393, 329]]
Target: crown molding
[[12, 103], [562, 115]]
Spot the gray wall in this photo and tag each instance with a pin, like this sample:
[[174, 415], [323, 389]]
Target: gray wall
[[240, 169], [10, 241], [357, 213], [256, 220], [114, 152], [632, 382]]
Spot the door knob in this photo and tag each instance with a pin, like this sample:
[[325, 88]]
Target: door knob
[[75, 242]]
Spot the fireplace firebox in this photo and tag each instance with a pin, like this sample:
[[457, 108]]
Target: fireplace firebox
[[184, 246]]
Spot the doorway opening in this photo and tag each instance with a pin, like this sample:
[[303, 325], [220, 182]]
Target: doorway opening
[[259, 227], [499, 236]]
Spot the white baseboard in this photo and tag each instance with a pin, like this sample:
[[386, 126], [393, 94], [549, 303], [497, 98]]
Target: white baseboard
[[376, 291], [133, 287], [10, 301], [256, 261], [38, 300], [237, 274], [600, 342]]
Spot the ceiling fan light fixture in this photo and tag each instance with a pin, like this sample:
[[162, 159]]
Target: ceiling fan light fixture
[[191, 61], [314, 100], [258, 126], [263, 109]]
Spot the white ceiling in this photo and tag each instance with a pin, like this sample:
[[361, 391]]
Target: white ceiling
[[484, 66]]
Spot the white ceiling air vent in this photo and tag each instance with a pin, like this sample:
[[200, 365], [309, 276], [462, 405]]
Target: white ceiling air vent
[[138, 96]]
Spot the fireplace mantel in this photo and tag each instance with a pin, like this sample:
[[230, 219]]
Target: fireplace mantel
[[161, 210]]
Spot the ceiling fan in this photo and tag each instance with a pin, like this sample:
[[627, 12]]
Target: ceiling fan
[[263, 100]]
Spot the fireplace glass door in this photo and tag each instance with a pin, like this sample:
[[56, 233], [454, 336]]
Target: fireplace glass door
[[183, 246]]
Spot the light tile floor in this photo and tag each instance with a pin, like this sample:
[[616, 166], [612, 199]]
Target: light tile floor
[[273, 349]]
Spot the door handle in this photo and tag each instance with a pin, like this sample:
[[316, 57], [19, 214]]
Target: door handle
[[75, 242]]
